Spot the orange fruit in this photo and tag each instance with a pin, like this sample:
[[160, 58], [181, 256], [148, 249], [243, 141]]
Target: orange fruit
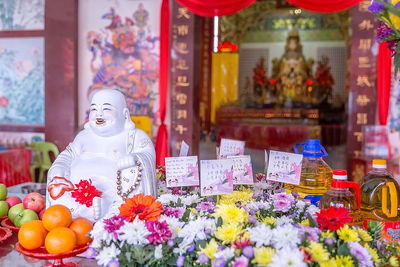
[[60, 240], [81, 226], [56, 216], [32, 234]]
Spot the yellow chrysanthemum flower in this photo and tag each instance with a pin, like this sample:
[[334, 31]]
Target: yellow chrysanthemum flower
[[344, 261], [318, 252], [231, 213], [393, 18], [244, 196], [228, 233], [210, 249], [347, 234], [327, 234], [373, 253], [393, 261], [263, 255], [365, 236], [269, 221], [194, 211], [330, 263], [305, 222]]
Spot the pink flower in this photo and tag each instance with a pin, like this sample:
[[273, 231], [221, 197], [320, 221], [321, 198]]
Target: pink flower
[[282, 196], [206, 206], [242, 261], [282, 205], [113, 224], [174, 212], [159, 232]]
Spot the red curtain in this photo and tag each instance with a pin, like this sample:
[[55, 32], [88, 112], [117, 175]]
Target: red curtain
[[162, 134], [211, 8], [384, 80], [325, 6]]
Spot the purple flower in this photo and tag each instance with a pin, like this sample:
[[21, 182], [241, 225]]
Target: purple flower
[[248, 251], [171, 243], [282, 196], [252, 219], [113, 224], [361, 253], [383, 31], [174, 212], [159, 232], [312, 233], [329, 241], [242, 261], [90, 253], [376, 7], [113, 263], [191, 248], [202, 258], [180, 261], [207, 231], [219, 262], [282, 205], [397, 5]]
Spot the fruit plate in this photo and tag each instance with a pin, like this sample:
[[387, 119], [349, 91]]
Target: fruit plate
[[7, 223], [42, 254], [5, 233]]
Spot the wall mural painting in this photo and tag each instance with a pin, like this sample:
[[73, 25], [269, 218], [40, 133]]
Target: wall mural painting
[[21, 15], [21, 81], [124, 53]]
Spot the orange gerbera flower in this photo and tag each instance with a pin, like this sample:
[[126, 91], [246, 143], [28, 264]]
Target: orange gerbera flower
[[145, 207]]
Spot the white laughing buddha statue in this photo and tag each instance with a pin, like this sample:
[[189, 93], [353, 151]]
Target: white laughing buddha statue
[[118, 159]]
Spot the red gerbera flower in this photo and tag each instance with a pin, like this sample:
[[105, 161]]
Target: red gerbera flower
[[85, 192], [145, 207], [333, 218]]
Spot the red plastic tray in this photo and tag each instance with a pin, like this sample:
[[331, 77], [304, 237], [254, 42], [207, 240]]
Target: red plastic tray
[[7, 223], [5, 233]]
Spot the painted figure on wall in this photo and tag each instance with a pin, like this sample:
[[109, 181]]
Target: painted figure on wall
[[125, 55]]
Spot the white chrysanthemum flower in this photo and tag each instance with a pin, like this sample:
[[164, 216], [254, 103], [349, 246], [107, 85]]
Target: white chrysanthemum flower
[[195, 230], [261, 235], [99, 234], [312, 209], [134, 233], [107, 254], [166, 199], [190, 199], [286, 236], [283, 220], [300, 205], [174, 224], [226, 253], [288, 257], [257, 205], [158, 252]]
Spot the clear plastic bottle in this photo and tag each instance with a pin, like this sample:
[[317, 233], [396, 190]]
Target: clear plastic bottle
[[316, 175], [339, 195], [379, 194]]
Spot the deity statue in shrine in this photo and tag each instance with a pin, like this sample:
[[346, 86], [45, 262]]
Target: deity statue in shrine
[[109, 155], [291, 72]]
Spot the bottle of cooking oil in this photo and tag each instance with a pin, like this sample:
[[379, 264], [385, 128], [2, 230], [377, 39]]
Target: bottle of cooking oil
[[316, 175], [339, 195], [380, 199]]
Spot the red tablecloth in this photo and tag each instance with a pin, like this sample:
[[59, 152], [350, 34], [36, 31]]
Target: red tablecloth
[[14, 166]]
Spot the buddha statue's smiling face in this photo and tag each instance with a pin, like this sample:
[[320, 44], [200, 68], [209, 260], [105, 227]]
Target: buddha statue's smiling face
[[108, 112]]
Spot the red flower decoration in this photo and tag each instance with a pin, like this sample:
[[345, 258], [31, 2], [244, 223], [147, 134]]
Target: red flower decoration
[[85, 192], [333, 218]]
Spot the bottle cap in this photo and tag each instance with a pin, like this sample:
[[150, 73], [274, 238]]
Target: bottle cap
[[379, 163], [340, 175]]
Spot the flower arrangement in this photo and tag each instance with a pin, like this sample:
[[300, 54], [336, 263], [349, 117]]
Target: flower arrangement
[[85, 192], [240, 229], [389, 28]]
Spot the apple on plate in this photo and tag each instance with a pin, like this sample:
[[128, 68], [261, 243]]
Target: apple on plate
[[12, 201], [34, 201], [3, 191], [14, 211], [3, 208], [24, 217]]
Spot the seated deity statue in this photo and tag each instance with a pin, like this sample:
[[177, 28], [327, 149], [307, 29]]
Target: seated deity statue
[[110, 153], [291, 71]]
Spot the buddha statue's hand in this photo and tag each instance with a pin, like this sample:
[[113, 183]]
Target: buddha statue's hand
[[127, 161], [97, 208]]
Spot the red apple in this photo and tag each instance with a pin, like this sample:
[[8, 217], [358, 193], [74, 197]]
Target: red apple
[[34, 201], [12, 201], [41, 213]]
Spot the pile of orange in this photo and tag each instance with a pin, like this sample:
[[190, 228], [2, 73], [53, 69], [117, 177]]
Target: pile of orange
[[57, 232]]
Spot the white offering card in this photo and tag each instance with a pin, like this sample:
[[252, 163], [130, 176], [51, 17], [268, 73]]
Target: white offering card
[[184, 149], [284, 167], [230, 147], [216, 177], [242, 169], [181, 171]]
